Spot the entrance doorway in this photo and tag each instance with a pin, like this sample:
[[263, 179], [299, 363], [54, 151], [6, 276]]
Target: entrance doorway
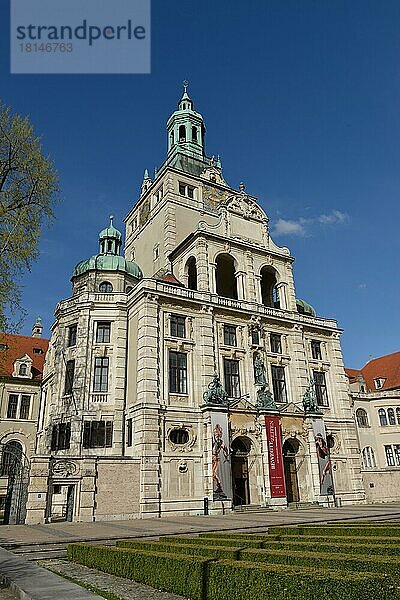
[[62, 503], [290, 449], [240, 471], [14, 481]]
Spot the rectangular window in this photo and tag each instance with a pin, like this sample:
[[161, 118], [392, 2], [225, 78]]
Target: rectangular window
[[24, 407], [320, 388], [231, 377], [190, 191], [100, 383], [396, 448], [177, 372], [276, 343], [255, 337], [182, 189], [316, 350], [97, 434], [389, 456], [72, 330], [230, 335], [69, 377], [12, 406], [103, 332], [178, 326], [129, 432], [61, 436], [279, 383]]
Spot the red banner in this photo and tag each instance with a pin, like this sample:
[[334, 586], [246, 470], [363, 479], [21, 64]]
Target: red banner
[[275, 458]]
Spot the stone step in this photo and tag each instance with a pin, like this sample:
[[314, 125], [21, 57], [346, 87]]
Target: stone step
[[251, 508]]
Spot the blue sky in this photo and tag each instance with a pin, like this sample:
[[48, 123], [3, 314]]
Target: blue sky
[[301, 99]]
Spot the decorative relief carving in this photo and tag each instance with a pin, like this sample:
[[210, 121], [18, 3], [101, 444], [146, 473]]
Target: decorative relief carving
[[245, 207], [65, 468]]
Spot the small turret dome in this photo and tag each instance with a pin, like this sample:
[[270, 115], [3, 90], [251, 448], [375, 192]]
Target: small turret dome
[[110, 231], [109, 258], [304, 308]]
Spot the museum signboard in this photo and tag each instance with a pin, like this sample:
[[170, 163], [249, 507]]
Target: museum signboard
[[275, 458]]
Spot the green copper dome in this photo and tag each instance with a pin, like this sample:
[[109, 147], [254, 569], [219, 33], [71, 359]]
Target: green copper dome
[[109, 258], [305, 308], [110, 231], [107, 262]]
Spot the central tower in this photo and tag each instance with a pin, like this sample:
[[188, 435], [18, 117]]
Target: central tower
[[186, 129]]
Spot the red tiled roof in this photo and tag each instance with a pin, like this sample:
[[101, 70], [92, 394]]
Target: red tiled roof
[[17, 347], [385, 367], [169, 278], [352, 374]]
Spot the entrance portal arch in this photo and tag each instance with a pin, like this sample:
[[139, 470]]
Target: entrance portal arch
[[241, 447], [289, 451]]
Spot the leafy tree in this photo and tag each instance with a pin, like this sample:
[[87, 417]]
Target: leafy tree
[[28, 192]]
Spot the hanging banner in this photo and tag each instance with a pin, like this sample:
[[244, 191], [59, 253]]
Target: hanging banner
[[324, 460], [221, 460], [275, 458]]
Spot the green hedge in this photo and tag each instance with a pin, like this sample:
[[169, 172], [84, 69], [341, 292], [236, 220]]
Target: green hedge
[[333, 545], [343, 539], [175, 548], [347, 530], [216, 540], [347, 562], [227, 580], [179, 574]]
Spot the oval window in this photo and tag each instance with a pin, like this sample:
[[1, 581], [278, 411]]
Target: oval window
[[106, 287], [179, 436]]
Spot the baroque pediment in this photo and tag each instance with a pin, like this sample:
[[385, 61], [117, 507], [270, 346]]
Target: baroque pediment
[[292, 409], [244, 206]]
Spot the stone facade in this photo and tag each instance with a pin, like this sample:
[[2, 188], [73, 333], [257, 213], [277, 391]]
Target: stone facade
[[213, 295], [21, 368], [375, 395]]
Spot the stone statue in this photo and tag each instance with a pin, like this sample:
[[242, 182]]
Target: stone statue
[[310, 400], [215, 393], [265, 399], [259, 371]]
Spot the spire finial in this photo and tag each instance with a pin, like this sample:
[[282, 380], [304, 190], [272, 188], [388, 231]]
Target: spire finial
[[146, 174], [185, 85], [111, 220]]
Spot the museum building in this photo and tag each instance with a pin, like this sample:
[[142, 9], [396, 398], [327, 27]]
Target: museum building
[[185, 376]]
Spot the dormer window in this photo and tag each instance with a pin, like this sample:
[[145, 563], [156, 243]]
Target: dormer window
[[37, 351], [23, 370], [22, 367], [379, 382]]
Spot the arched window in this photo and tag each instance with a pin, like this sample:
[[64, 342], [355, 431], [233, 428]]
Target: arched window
[[182, 133], [362, 417], [194, 134], [269, 290], [105, 287], [398, 415], [368, 458], [23, 369], [12, 454], [391, 417], [192, 273], [171, 138], [382, 417], [225, 276]]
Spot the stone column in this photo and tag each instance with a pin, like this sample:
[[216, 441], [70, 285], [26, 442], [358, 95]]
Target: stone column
[[36, 507], [203, 279]]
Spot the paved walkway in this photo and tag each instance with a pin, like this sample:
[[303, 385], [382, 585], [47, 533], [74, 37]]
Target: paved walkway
[[31, 582], [123, 588], [12, 536]]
